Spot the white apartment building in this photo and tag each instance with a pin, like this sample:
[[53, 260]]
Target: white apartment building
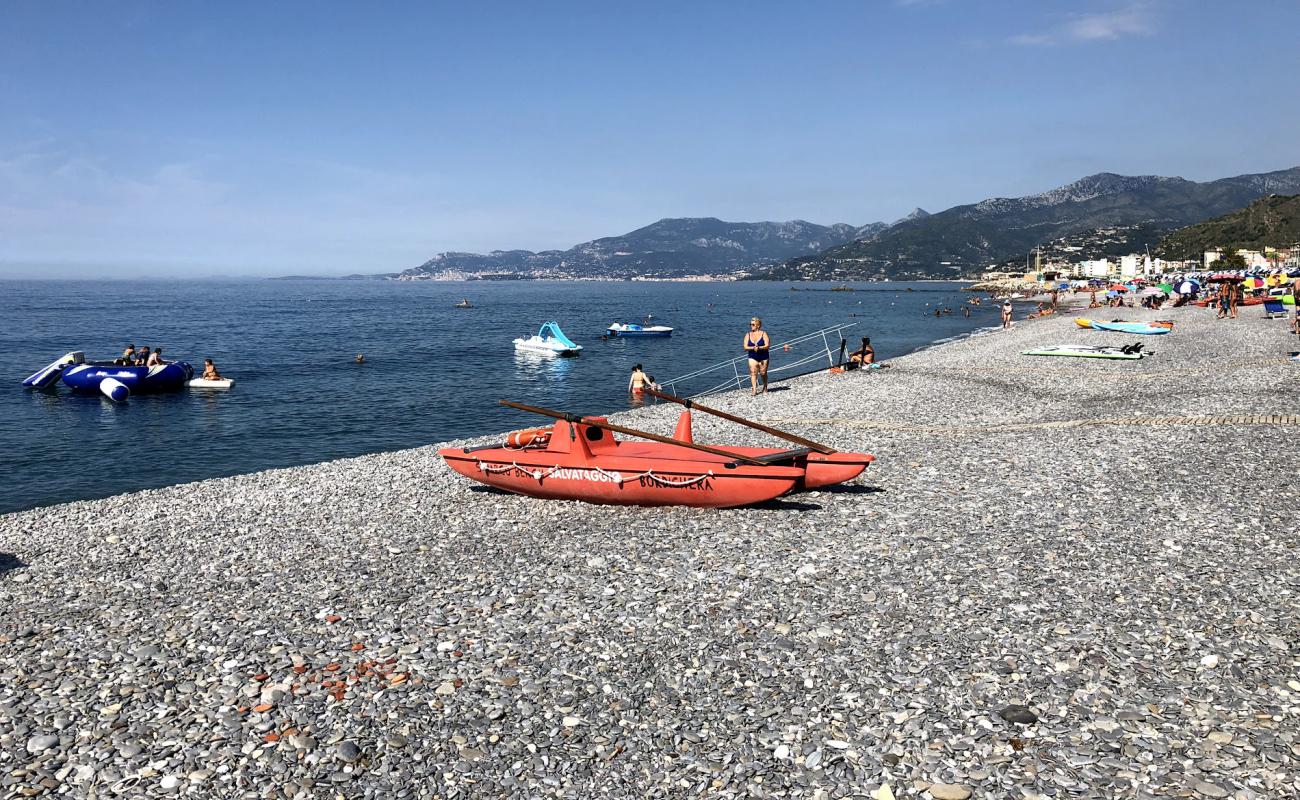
[[1101, 268]]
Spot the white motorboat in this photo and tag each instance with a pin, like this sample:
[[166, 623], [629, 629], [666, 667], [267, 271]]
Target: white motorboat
[[549, 339]]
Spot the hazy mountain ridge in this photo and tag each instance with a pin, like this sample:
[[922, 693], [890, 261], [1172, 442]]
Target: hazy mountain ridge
[[667, 248], [971, 237]]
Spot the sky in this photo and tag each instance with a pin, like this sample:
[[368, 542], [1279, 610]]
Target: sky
[[250, 138]]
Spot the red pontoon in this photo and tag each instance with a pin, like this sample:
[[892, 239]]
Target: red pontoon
[[579, 459]]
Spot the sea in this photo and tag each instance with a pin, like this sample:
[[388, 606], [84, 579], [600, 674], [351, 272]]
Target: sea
[[431, 372]]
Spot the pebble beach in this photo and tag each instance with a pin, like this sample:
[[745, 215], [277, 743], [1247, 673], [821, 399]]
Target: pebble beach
[[1062, 578]]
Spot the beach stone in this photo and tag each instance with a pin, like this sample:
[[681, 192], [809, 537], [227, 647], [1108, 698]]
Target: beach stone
[[39, 744], [948, 586], [949, 791], [1021, 715]]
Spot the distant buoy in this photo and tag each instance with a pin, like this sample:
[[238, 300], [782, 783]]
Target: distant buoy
[[361, 359], [114, 390]]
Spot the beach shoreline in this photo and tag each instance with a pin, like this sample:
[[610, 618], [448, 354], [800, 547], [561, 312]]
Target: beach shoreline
[[1061, 576]]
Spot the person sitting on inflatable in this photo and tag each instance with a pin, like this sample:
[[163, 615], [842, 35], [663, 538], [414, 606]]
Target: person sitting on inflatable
[[210, 371]]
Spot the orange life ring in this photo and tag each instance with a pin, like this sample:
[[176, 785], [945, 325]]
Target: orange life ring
[[535, 437]]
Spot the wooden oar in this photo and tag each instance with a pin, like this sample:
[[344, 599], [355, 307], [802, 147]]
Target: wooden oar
[[789, 437], [654, 437]]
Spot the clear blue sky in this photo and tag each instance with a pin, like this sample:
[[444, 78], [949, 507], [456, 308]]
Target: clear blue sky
[[288, 137]]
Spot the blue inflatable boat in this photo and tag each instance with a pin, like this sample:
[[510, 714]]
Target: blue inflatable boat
[[111, 379], [114, 381]]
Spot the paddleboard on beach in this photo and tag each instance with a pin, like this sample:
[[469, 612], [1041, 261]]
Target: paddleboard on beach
[[1130, 327], [1086, 351]]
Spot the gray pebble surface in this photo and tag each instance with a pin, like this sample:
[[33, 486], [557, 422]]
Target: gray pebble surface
[[1006, 605]]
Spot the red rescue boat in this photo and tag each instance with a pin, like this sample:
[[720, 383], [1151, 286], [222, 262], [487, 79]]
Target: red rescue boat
[[579, 459]]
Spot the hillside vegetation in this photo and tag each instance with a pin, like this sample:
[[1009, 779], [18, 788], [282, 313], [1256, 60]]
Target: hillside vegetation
[[1272, 221]]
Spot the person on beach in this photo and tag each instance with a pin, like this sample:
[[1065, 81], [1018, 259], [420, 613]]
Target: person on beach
[[863, 356], [757, 345], [210, 371], [1092, 299], [1295, 298], [1006, 314], [1238, 294], [155, 358], [639, 381]]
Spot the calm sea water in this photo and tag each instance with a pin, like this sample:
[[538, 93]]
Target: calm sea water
[[432, 372]]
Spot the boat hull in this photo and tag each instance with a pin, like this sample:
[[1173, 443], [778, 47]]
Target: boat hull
[[583, 462], [548, 347], [640, 331]]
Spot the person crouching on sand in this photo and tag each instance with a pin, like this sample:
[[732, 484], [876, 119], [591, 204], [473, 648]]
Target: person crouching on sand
[[864, 356]]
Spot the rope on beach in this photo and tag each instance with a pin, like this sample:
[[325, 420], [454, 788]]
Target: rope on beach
[[1244, 419]]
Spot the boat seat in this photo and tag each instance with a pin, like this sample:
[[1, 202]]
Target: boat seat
[[784, 455]]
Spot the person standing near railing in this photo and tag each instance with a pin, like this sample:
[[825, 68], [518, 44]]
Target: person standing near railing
[[757, 346]]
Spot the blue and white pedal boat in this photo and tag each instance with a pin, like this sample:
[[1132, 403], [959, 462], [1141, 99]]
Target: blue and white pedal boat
[[643, 331], [549, 339]]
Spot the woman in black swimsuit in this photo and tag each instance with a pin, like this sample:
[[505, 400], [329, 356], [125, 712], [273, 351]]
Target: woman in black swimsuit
[[757, 344]]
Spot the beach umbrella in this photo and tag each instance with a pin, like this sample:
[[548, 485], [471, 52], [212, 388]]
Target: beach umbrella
[[1189, 287], [1118, 287], [1167, 288], [1253, 283], [1150, 290], [1063, 285]]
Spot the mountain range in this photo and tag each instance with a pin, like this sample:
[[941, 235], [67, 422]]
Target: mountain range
[[667, 248], [1129, 212], [969, 238]]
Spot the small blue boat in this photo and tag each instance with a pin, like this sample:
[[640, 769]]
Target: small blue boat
[[644, 331]]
